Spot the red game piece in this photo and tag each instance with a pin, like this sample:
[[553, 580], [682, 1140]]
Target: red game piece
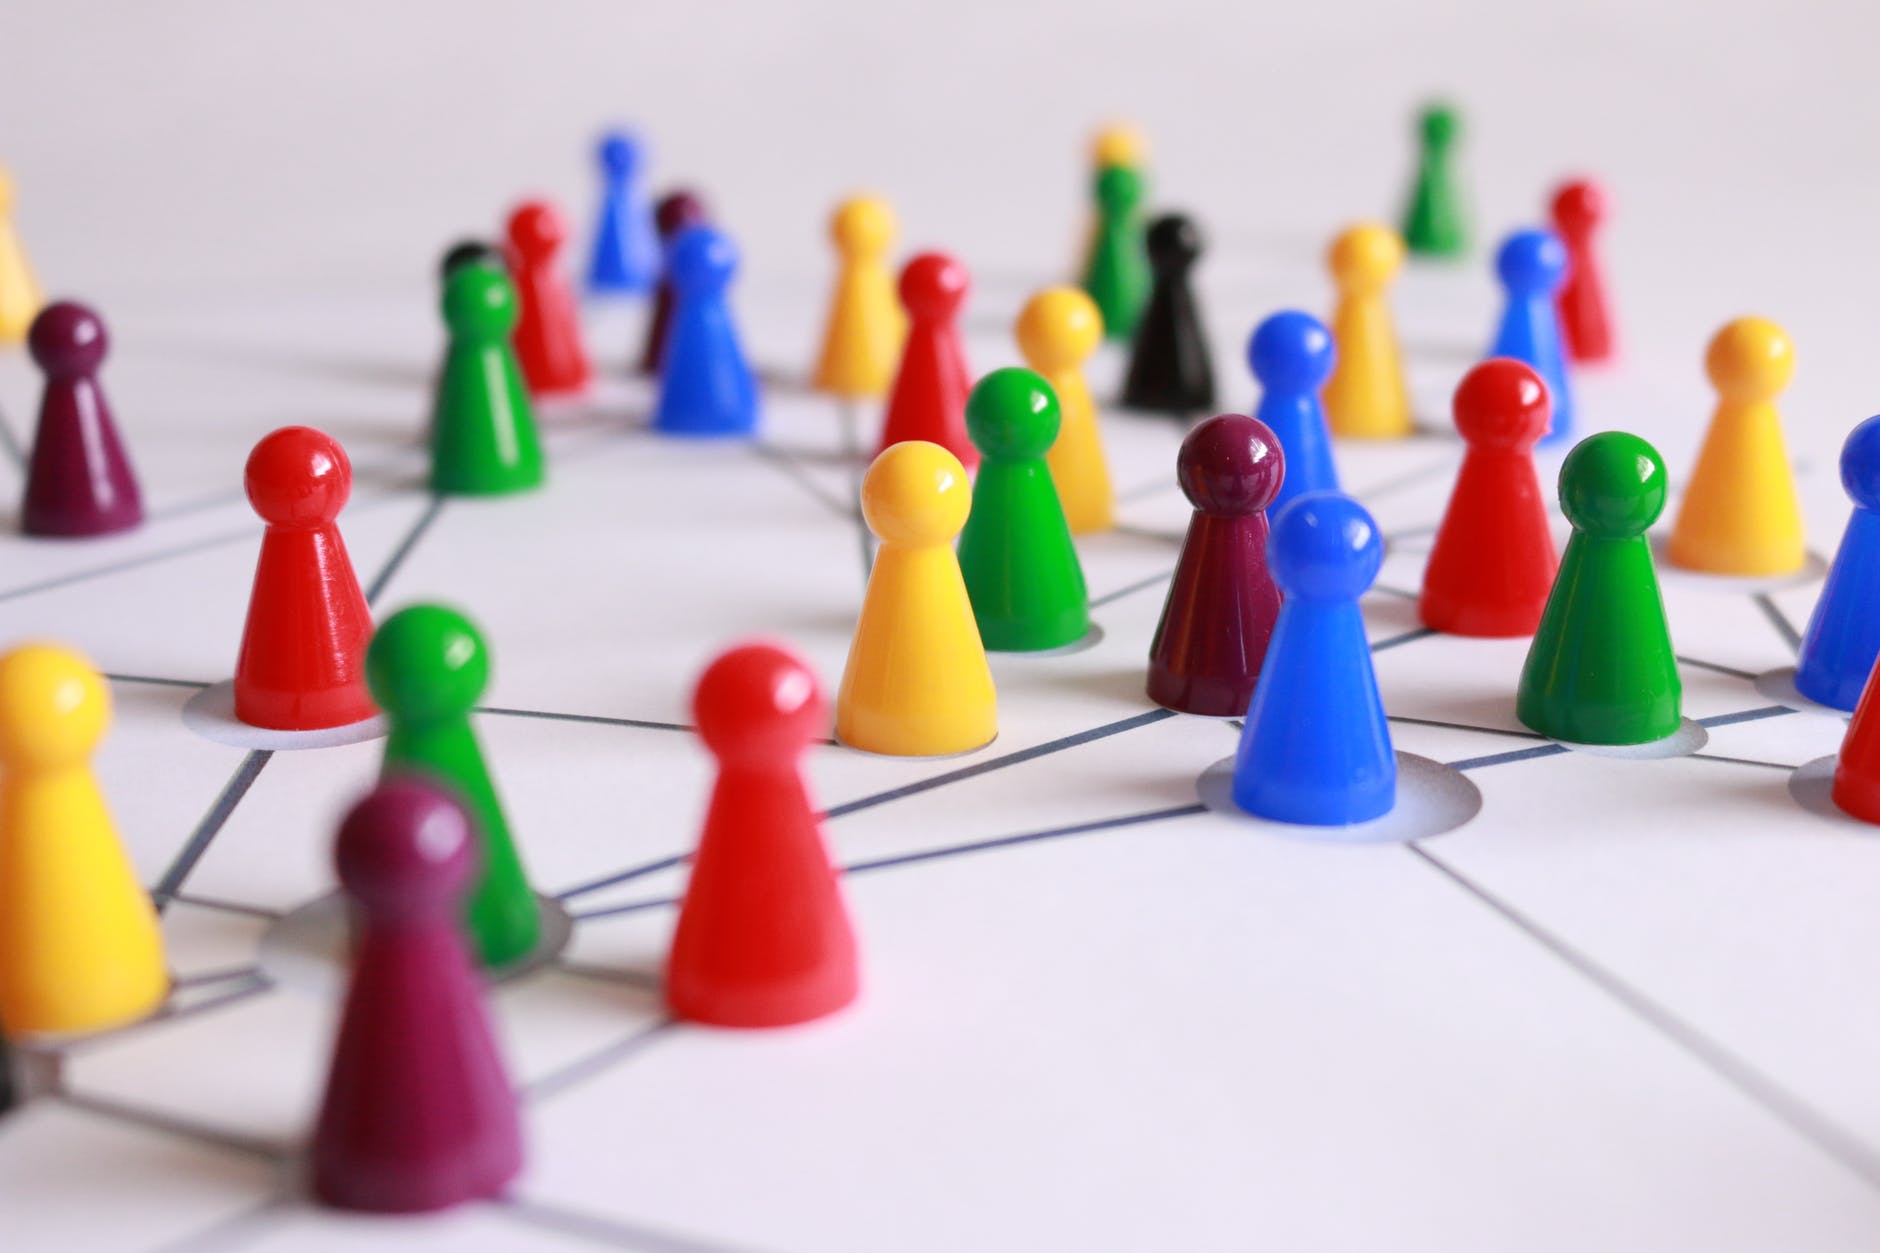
[[763, 938], [80, 480], [1857, 771], [1222, 603], [302, 663], [929, 397], [1585, 318], [1492, 567], [676, 211], [418, 1114], [548, 325]]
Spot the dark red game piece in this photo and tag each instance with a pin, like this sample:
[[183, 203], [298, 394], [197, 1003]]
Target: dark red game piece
[[1856, 788], [763, 938], [929, 396], [302, 663], [675, 211], [418, 1114], [548, 323], [1492, 567], [1585, 317], [79, 481], [1222, 602]]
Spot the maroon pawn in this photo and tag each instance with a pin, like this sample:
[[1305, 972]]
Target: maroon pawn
[[1221, 605], [676, 211], [418, 1113], [80, 480], [1585, 317]]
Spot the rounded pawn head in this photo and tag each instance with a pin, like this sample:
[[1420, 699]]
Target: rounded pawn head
[[1230, 466], [404, 849], [1438, 124], [479, 302], [862, 227], [756, 703], [54, 708], [933, 286], [1119, 189], [67, 339], [916, 493], [1012, 415], [427, 663], [298, 476], [619, 151], [676, 211], [1612, 485], [1860, 464], [1291, 352], [1058, 329], [467, 252], [1532, 263], [701, 261], [536, 230], [1119, 143], [1502, 404], [1579, 205], [1365, 256], [1750, 360], [1173, 242], [1325, 546]]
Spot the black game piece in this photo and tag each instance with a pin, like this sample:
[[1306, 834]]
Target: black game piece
[[466, 252], [1169, 368]]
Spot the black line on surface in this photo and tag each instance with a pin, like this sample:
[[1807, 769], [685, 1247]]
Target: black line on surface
[[156, 682], [1748, 715], [170, 1124], [625, 876], [227, 907], [1463, 726], [129, 563], [1743, 761], [10, 442], [202, 978], [1131, 588], [639, 724], [1398, 592], [1712, 666], [1395, 640], [212, 823], [234, 1231], [794, 471], [610, 1232], [849, 419], [405, 545], [587, 1067], [644, 979], [1778, 619], [1520, 754], [1029, 837]]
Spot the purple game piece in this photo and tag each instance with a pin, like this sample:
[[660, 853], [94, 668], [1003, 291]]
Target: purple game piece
[[1222, 602], [80, 481], [676, 211], [418, 1113]]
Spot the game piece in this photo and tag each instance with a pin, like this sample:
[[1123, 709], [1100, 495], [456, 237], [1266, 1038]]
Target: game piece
[[1118, 277], [302, 660], [1842, 642], [79, 945], [79, 480], [20, 298], [1170, 369], [1118, 143], [1291, 354], [1856, 786], [862, 337], [427, 666], [705, 385], [1601, 669], [1531, 265], [677, 210], [916, 683], [763, 937], [1222, 602], [1585, 316], [548, 326], [1492, 566], [1316, 747], [468, 252], [1021, 569], [483, 440], [928, 400], [626, 250], [418, 1114], [1739, 515], [1435, 221], [1057, 330], [1365, 397]]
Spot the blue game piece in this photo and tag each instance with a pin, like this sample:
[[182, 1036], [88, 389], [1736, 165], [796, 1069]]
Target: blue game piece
[[1532, 265], [1292, 354], [1842, 641], [1316, 748], [626, 246], [706, 387]]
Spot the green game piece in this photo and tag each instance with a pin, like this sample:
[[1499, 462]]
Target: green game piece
[[483, 440], [1601, 669], [426, 666], [1435, 222], [1021, 569], [1118, 277]]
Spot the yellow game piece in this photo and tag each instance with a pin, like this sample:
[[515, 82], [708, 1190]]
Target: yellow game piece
[[79, 945], [1365, 398], [862, 338], [20, 297], [1739, 514], [1119, 143], [1057, 331], [917, 683]]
